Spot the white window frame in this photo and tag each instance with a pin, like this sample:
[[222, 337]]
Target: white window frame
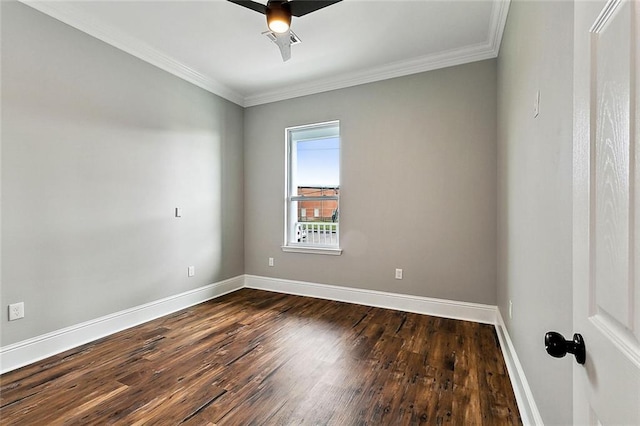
[[291, 197]]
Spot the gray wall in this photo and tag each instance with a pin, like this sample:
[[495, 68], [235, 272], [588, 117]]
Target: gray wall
[[418, 185], [534, 195], [98, 148]]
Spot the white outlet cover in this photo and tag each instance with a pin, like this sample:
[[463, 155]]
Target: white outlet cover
[[16, 311], [191, 271], [398, 274]]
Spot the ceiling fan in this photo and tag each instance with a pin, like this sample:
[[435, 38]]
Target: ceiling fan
[[279, 13]]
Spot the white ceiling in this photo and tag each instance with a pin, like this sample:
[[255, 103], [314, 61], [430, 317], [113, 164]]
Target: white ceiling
[[218, 45]]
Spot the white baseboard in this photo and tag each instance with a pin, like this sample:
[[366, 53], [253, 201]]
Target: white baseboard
[[524, 397], [485, 314], [31, 350]]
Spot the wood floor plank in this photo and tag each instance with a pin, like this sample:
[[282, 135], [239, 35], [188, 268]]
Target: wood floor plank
[[256, 357]]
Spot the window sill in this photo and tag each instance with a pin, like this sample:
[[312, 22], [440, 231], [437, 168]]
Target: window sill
[[313, 250]]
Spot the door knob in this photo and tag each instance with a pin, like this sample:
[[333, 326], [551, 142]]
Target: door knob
[[557, 346]]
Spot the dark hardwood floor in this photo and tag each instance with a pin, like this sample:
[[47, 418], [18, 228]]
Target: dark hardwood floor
[[255, 357]]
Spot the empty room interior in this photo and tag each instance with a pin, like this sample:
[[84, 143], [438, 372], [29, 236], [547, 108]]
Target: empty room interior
[[386, 212]]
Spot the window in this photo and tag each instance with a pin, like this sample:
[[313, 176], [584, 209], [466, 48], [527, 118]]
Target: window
[[313, 189]]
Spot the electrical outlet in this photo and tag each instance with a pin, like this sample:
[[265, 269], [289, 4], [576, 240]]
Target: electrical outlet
[[16, 311], [510, 309], [271, 261], [178, 212], [191, 271], [398, 274]]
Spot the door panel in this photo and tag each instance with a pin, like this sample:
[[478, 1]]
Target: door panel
[[606, 212], [611, 77]]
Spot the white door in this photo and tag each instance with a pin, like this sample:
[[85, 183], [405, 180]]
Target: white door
[[606, 204]]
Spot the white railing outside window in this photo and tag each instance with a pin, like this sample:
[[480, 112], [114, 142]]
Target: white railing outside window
[[321, 234]]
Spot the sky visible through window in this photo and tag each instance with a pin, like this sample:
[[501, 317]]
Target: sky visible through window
[[318, 162]]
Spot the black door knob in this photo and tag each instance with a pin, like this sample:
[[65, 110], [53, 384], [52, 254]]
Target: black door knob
[[557, 346]]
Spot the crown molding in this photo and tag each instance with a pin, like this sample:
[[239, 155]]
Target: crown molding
[[384, 72], [70, 15], [498, 22], [64, 12]]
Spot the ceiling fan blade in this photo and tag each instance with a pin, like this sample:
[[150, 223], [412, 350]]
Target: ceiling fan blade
[[303, 7], [258, 7], [283, 40]]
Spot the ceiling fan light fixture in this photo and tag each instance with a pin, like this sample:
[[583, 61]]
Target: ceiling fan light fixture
[[278, 26], [278, 17]]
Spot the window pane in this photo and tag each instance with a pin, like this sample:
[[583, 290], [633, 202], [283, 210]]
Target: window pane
[[317, 174], [317, 163]]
